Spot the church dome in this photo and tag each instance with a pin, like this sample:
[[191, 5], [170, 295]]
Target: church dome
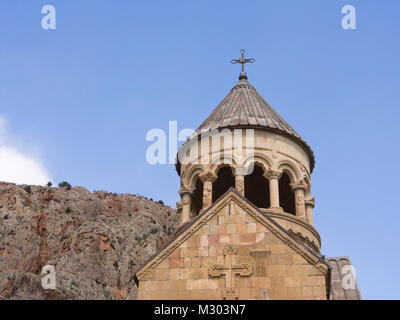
[[245, 107]]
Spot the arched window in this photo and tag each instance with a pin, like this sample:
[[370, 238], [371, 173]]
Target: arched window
[[256, 188], [197, 198], [224, 181], [286, 196]]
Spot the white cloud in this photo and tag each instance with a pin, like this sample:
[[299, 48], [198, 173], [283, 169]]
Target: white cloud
[[17, 167]]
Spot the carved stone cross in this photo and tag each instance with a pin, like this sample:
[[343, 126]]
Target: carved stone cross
[[230, 270]]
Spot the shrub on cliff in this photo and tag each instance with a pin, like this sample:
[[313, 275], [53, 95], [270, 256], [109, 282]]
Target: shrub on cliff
[[65, 185]]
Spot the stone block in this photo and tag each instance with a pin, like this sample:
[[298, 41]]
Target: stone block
[[224, 239], [176, 263], [278, 249], [315, 281], [314, 271], [260, 237], [212, 251], [284, 259], [244, 293], [294, 292], [203, 241], [319, 291], [195, 262], [203, 252], [208, 261], [276, 270], [261, 283], [231, 228], [178, 285], [297, 270], [235, 239], [214, 240], [178, 274], [248, 238], [251, 227], [260, 227], [277, 281], [161, 274], [240, 228], [307, 291], [198, 273], [298, 259]]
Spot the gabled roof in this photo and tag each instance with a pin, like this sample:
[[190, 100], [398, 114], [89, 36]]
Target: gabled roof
[[338, 292], [187, 230]]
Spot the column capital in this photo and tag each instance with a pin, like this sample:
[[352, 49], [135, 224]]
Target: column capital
[[299, 185], [208, 176], [240, 171], [183, 190], [272, 174], [310, 202]]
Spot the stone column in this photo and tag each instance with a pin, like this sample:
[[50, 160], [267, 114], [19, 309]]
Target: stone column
[[239, 180], [273, 178], [299, 189], [186, 196], [207, 178], [310, 204]]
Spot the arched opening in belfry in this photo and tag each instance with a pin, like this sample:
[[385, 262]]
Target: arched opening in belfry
[[256, 188], [224, 181], [286, 195], [197, 198]]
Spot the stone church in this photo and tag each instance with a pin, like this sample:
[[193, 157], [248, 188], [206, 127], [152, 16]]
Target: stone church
[[246, 216]]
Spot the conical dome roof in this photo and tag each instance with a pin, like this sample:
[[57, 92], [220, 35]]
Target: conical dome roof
[[245, 107]]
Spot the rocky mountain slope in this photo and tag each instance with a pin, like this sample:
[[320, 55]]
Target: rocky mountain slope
[[94, 240]]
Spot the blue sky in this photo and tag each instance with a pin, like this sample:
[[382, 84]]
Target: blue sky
[[80, 99]]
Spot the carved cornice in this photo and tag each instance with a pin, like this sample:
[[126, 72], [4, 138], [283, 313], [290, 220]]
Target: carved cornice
[[183, 190], [310, 202], [208, 176], [292, 218], [241, 171], [304, 239], [299, 185], [272, 174]]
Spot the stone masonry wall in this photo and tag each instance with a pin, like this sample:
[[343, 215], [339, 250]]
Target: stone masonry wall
[[277, 270]]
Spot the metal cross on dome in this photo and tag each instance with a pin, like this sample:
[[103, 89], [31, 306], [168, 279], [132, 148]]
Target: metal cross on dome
[[242, 60]]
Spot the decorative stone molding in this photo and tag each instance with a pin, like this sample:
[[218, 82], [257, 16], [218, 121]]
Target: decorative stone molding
[[299, 188], [229, 270], [207, 193], [261, 262], [183, 190], [240, 171], [305, 240], [298, 185], [272, 174], [208, 176], [310, 202], [239, 184], [303, 226]]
